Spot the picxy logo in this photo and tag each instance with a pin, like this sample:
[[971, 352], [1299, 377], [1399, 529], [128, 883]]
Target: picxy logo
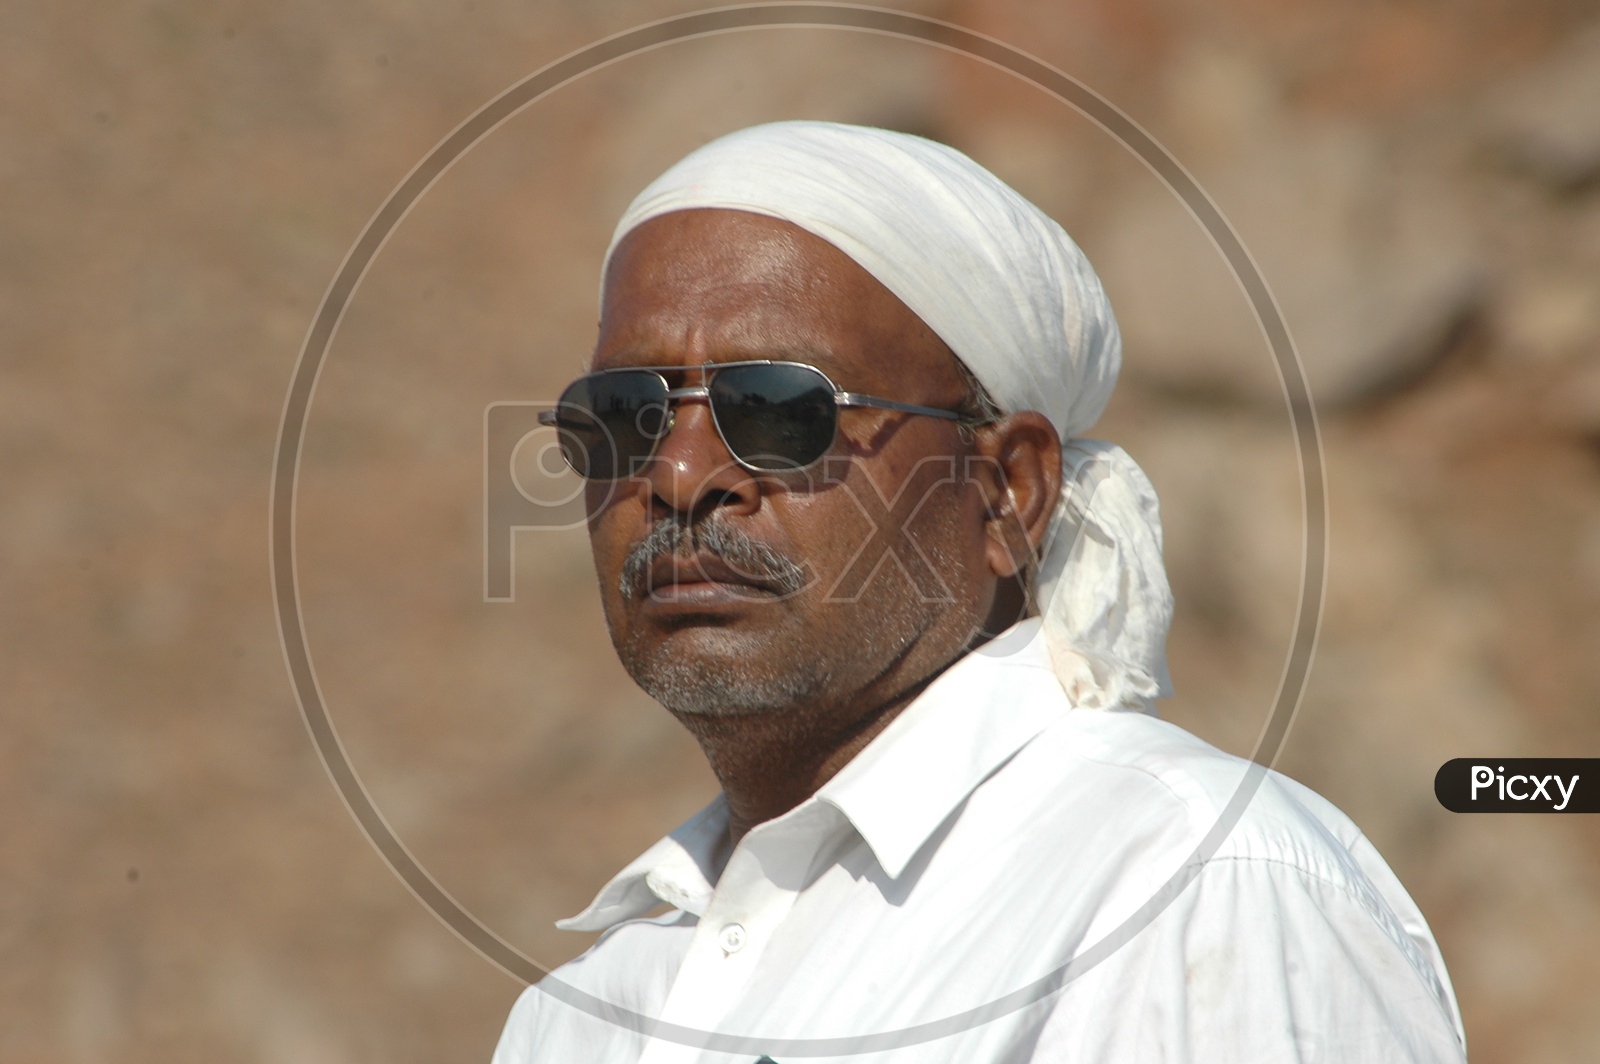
[[1518, 785]]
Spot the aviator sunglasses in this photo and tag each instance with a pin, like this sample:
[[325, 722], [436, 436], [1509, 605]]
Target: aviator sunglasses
[[772, 416]]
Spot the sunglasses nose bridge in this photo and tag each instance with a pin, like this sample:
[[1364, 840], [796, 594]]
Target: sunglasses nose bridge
[[673, 400], [697, 391]]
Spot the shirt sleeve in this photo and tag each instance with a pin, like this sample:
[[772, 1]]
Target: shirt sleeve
[[1259, 962]]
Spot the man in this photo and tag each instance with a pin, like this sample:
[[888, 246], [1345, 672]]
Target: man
[[833, 440]]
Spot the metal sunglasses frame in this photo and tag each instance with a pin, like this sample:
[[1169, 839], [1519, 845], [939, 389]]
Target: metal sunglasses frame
[[703, 391]]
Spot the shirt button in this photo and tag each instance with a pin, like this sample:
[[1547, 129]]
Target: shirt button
[[731, 938]]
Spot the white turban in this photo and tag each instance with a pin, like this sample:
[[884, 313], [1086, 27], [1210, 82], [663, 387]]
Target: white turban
[[1016, 300]]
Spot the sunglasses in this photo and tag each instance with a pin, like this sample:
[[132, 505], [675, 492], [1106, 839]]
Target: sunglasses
[[772, 416]]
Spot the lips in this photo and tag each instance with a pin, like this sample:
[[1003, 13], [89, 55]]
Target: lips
[[702, 577]]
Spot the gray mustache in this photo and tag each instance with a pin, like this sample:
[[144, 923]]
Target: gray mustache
[[675, 537]]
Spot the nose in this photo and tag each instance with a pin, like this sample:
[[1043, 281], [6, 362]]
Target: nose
[[692, 472]]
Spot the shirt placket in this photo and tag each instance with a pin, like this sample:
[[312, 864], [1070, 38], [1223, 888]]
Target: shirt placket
[[752, 898]]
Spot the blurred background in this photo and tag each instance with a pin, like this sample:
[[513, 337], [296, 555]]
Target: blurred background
[[1419, 181]]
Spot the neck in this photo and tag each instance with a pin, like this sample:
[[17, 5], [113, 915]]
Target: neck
[[770, 762]]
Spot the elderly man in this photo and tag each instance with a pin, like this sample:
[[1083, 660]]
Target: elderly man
[[847, 532]]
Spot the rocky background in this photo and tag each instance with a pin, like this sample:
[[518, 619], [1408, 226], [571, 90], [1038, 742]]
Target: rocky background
[[1420, 183]]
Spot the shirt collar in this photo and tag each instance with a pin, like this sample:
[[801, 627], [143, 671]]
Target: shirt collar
[[678, 870], [968, 722], [895, 793]]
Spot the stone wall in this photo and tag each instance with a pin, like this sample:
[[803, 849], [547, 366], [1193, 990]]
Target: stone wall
[[1419, 183]]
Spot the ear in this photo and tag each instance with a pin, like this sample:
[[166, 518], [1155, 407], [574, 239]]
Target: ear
[[1018, 464]]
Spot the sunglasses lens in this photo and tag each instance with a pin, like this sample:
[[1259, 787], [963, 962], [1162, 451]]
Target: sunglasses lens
[[610, 422], [774, 417]]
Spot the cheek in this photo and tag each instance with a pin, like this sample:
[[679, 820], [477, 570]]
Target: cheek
[[612, 518], [602, 497], [919, 535], [823, 529], [949, 530]]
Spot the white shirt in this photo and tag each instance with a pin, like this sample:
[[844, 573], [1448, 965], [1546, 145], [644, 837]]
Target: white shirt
[[915, 908]]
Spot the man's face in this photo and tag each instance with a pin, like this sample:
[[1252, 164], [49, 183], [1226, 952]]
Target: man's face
[[837, 587]]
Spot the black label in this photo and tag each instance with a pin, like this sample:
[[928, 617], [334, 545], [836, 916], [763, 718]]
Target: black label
[[1519, 785]]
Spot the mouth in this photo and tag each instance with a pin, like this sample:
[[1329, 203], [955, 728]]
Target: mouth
[[703, 581], [707, 566]]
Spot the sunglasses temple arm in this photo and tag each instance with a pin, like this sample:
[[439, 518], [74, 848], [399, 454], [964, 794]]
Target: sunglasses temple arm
[[857, 399]]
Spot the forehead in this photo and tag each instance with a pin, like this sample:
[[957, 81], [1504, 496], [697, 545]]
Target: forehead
[[719, 285]]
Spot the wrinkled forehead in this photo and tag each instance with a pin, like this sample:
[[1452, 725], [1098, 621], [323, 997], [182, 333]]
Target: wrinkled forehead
[[728, 251], [711, 284]]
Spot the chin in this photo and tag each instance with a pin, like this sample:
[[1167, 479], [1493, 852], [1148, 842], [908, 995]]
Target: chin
[[714, 672], [695, 689]]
